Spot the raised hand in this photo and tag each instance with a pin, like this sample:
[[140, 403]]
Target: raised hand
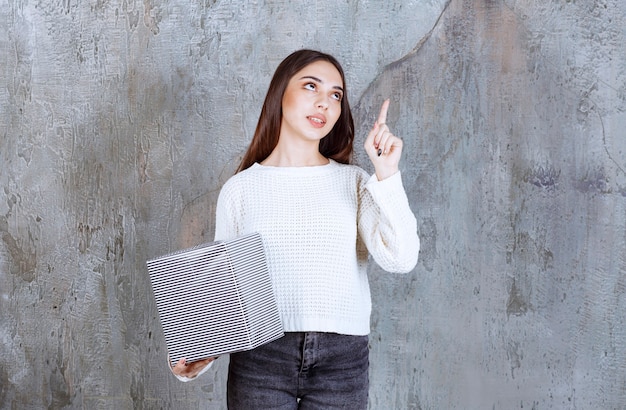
[[382, 147]]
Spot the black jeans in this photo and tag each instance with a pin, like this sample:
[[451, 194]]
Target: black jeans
[[303, 371]]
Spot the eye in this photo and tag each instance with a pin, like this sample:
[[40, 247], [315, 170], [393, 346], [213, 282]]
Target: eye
[[309, 86], [337, 96]]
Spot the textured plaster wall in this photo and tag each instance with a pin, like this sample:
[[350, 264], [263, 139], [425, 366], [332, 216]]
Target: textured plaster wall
[[120, 121]]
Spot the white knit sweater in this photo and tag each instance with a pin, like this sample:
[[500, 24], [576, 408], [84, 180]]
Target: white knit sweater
[[317, 224]]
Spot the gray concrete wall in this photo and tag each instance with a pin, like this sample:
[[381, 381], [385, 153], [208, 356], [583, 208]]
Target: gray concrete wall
[[121, 120]]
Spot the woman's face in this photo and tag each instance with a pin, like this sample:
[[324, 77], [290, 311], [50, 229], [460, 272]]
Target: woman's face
[[312, 102]]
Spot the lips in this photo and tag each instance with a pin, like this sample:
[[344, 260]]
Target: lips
[[317, 120]]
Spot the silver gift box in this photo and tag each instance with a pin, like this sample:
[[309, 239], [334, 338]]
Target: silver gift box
[[215, 298]]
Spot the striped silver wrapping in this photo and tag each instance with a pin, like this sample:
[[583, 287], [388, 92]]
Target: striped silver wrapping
[[215, 298]]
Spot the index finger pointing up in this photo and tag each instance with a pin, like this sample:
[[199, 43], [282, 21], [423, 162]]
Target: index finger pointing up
[[382, 116]]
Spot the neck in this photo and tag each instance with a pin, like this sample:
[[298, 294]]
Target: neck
[[295, 156]]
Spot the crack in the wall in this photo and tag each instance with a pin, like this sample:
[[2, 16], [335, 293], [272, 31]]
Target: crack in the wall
[[407, 56]]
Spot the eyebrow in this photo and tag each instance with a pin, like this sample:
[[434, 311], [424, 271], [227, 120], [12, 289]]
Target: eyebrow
[[310, 77]]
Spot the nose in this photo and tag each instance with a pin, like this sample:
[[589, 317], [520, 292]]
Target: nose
[[322, 103]]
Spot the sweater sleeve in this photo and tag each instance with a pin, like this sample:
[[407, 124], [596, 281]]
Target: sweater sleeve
[[387, 225], [226, 227], [226, 215]]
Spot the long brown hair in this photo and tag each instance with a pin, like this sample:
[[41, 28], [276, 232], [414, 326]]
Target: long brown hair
[[336, 145]]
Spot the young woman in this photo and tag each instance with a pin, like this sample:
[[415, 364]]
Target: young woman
[[319, 217]]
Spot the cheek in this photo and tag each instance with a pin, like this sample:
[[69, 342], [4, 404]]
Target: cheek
[[285, 103], [336, 114], [289, 103]]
